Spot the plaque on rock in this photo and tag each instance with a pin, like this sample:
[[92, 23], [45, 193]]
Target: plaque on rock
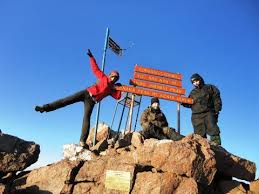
[[117, 180]]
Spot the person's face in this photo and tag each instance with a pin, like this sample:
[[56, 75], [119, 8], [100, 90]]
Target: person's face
[[155, 105], [113, 78], [196, 83]]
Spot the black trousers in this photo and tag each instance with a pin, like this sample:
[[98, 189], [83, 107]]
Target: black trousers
[[82, 96], [205, 123]]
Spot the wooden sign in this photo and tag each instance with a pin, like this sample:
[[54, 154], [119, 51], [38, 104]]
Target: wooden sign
[[158, 72], [157, 79], [117, 180], [154, 86], [151, 93]]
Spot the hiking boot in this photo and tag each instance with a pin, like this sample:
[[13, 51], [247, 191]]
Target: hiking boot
[[39, 109], [215, 139]]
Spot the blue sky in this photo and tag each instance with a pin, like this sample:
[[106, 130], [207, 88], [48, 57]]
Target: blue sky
[[43, 57]]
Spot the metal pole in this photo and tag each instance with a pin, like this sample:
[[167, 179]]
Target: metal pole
[[127, 120], [103, 64], [114, 113], [122, 113], [178, 118], [137, 113], [131, 112], [109, 130]]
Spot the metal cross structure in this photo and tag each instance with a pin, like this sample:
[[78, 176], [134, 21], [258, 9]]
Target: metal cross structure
[[129, 101]]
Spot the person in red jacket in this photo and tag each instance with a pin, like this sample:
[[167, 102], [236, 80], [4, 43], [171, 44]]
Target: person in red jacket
[[105, 86]]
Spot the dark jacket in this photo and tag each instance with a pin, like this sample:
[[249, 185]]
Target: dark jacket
[[205, 98], [150, 117]]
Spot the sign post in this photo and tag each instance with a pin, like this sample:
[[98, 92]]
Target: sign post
[[178, 118], [131, 112]]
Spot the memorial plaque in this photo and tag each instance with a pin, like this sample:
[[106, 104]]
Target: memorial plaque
[[117, 180]]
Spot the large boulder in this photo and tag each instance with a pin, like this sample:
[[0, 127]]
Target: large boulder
[[48, 179], [103, 132], [163, 183], [254, 186], [16, 154], [233, 166], [137, 139], [91, 176], [191, 157], [231, 187]]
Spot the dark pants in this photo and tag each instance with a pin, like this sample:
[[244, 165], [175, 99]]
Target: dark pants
[[82, 96], [206, 124]]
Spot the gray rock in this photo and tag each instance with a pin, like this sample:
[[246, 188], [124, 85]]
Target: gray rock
[[16, 154]]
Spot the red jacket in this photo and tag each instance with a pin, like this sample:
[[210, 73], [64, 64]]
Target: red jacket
[[103, 87]]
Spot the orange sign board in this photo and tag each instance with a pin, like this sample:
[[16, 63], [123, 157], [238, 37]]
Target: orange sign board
[[160, 87], [158, 72], [151, 93], [171, 82]]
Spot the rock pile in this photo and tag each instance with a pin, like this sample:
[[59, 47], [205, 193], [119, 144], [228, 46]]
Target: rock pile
[[134, 165], [15, 155]]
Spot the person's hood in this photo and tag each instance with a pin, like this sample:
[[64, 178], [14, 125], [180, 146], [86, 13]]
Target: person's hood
[[196, 76]]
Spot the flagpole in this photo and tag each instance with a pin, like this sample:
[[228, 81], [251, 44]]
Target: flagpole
[[103, 64]]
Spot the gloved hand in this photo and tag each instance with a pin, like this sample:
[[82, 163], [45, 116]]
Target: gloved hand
[[186, 105], [118, 84], [89, 53]]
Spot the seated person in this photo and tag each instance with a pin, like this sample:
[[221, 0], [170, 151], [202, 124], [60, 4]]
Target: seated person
[[155, 125]]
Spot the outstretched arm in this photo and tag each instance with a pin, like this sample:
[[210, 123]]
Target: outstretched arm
[[116, 93], [187, 105], [96, 70]]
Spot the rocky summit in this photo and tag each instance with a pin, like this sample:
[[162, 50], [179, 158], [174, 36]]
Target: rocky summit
[[130, 164]]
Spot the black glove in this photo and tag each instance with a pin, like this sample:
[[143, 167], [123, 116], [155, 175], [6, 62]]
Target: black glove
[[89, 53], [186, 105], [118, 84]]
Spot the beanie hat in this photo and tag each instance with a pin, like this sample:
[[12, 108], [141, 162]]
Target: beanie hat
[[115, 74], [154, 99], [195, 76]]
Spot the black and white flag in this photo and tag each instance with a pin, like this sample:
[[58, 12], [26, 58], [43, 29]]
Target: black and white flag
[[115, 47]]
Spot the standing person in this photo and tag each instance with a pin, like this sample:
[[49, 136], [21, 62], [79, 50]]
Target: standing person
[[105, 86], [155, 125], [205, 108]]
